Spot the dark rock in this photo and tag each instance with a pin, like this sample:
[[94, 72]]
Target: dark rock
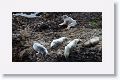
[[41, 27]]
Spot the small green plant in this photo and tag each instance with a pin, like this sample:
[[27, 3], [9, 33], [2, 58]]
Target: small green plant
[[93, 24]]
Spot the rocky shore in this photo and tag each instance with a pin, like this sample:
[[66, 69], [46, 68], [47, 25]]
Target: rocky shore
[[44, 27]]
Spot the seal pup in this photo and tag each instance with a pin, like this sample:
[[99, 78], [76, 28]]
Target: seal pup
[[68, 21], [92, 42], [39, 48], [70, 46], [56, 42]]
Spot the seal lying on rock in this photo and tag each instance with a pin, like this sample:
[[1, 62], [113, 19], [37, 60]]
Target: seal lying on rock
[[92, 42], [70, 46], [55, 43], [39, 48], [68, 21]]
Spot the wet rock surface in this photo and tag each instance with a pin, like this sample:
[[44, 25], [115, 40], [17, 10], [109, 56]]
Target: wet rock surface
[[45, 27]]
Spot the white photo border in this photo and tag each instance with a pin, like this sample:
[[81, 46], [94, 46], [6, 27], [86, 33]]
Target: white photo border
[[104, 67]]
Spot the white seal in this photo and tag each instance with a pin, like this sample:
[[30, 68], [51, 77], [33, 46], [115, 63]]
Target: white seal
[[68, 21], [70, 46], [55, 43], [92, 41], [39, 48]]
